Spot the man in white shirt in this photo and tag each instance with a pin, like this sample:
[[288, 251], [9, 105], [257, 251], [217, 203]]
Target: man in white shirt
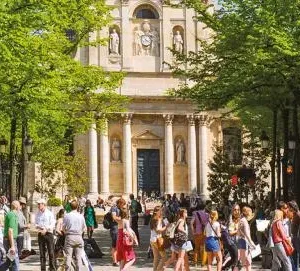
[[73, 227], [45, 224]]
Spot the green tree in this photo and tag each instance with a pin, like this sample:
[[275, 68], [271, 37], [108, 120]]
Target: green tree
[[44, 90], [250, 61], [222, 169]]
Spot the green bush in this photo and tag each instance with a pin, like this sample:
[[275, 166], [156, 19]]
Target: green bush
[[54, 202]]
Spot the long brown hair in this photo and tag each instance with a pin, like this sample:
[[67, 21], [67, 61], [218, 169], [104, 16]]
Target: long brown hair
[[155, 218]]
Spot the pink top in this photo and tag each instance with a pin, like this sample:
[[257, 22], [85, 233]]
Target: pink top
[[278, 232]]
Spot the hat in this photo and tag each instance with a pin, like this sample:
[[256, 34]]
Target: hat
[[22, 200], [41, 201]]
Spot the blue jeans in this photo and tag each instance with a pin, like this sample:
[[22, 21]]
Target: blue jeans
[[13, 266]]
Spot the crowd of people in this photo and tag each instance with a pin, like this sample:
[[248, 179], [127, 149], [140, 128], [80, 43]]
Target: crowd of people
[[183, 232]]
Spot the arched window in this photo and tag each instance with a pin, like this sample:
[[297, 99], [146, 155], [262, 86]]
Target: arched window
[[232, 144], [145, 12]]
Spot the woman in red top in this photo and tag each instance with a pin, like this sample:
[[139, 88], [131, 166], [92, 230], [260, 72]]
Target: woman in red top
[[279, 235]]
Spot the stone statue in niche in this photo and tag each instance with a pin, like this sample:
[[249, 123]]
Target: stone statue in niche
[[116, 150], [146, 40], [114, 42], [178, 42], [180, 151]]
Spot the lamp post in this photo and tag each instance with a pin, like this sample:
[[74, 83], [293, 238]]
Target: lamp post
[[265, 140]]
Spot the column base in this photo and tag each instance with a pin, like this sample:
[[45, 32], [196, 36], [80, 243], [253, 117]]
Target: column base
[[92, 196], [104, 195]]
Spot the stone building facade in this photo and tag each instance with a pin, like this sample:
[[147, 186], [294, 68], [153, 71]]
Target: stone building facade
[[160, 144]]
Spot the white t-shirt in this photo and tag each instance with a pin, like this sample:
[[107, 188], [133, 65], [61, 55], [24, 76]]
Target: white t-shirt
[[209, 231], [154, 235]]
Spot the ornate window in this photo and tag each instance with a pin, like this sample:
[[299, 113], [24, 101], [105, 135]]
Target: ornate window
[[232, 144], [145, 12]]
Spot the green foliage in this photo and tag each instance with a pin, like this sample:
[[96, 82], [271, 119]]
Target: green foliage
[[249, 59], [222, 169], [42, 85], [54, 202]]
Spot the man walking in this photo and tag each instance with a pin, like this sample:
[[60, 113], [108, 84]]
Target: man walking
[[135, 208], [73, 227], [45, 224], [10, 236]]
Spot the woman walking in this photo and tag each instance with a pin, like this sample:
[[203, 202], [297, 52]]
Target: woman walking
[[279, 236], [156, 239], [212, 243], [179, 245], [126, 240], [90, 218], [60, 242], [233, 230], [245, 242]]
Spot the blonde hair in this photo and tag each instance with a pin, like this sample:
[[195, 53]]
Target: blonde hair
[[214, 216], [278, 215]]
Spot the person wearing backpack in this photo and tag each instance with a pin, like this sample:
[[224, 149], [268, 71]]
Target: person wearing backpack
[[198, 222], [135, 209], [115, 211]]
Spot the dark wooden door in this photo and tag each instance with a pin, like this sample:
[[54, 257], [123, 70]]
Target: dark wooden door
[[148, 171]]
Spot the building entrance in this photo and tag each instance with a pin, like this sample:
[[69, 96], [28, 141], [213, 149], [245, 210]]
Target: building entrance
[[148, 171]]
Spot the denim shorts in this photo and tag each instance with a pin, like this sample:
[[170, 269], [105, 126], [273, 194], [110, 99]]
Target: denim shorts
[[242, 244], [212, 244]]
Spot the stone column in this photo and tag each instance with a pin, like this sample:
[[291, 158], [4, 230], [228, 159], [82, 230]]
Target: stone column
[[192, 156], [169, 154], [203, 168], [93, 163], [104, 161], [127, 154]]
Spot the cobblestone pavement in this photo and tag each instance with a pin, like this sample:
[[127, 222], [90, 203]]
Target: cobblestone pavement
[[104, 264]]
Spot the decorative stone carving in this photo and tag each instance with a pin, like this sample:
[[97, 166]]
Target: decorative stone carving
[[116, 150], [114, 42], [146, 40], [178, 42], [168, 118], [127, 118], [180, 151], [204, 120], [191, 119]]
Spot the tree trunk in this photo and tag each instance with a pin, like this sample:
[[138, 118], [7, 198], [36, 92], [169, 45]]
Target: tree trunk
[[285, 179], [12, 159], [273, 160], [296, 154]]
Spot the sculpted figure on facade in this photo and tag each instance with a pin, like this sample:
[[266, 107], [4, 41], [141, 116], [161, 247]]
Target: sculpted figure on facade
[[180, 151], [116, 150], [146, 40], [178, 42], [114, 42]]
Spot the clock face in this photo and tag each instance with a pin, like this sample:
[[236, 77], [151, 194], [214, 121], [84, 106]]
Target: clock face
[[146, 40]]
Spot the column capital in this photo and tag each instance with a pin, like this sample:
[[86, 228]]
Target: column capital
[[204, 120], [168, 118], [127, 117], [191, 119]]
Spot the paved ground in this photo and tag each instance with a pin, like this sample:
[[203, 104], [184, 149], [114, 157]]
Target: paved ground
[[103, 239]]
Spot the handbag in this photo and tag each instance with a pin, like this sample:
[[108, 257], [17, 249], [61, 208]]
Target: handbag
[[180, 238], [289, 249]]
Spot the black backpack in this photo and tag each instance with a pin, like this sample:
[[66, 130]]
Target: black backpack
[[139, 208], [108, 221]]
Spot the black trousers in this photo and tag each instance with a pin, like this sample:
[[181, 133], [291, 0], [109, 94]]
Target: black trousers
[[46, 242], [135, 226], [233, 252]]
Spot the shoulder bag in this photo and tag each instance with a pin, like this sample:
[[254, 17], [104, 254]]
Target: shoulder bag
[[180, 237]]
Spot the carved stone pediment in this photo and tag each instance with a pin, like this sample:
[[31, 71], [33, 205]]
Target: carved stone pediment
[[146, 135]]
